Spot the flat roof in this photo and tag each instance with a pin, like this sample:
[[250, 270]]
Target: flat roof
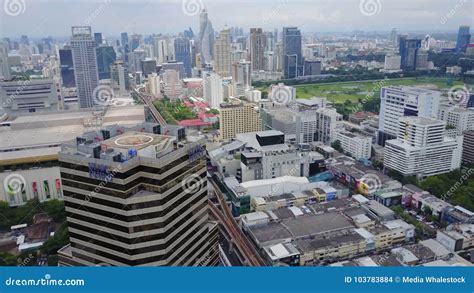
[[316, 224]]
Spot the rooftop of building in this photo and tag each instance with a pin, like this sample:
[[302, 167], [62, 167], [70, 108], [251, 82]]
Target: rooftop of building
[[422, 121]]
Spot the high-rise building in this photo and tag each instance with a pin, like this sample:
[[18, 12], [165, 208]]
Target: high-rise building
[[468, 147], [422, 149], [206, 37], [119, 78], [67, 68], [4, 66], [85, 65], [150, 211], [394, 37], [463, 39], [258, 43], [182, 53], [98, 39], [160, 48], [241, 77], [238, 117], [292, 52], [400, 101], [148, 66], [213, 90], [312, 67], [408, 52], [105, 57], [222, 65]]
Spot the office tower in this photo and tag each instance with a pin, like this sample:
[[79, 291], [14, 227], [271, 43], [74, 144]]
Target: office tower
[[278, 55], [292, 52], [213, 90], [400, 101], [408, 52], [182, 53], [134, 198], [206, 37], [172, 86], [98, 39], [241, 77], [85, 65], [24, 40], [394, 37], [148, 66], [119, 78], [222, 53], [422, 149], [258, 43], [124, 39], [135, 58], [238, 117], [463, 39], [67, 68], [421, 60], [36, 95], [468, 147], [269, 41], [105, 57], [136, 41], [392, 62], [312, 67], [4, 66], [160, 47], [176, 66]]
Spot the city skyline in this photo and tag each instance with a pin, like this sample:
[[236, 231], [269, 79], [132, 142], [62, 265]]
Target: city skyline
[[162, 16]]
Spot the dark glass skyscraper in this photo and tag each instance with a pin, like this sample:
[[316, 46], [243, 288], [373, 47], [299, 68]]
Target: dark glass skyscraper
[[105, 57], [67, 68], [182, 53], [408, 52], [464, 38], [292, 52], [98, 39]]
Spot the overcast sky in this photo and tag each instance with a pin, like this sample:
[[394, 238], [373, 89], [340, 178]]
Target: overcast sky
[[40, 18]]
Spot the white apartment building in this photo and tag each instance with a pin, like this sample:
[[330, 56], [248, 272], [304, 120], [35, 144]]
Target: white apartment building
[[358, 146], [329, 121], [400, 101], [422, 149], [460, 118], [213, 90]]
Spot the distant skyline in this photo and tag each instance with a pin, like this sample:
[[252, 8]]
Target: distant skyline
[[41, 18]]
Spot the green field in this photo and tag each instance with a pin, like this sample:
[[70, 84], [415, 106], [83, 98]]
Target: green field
[[341, 92]]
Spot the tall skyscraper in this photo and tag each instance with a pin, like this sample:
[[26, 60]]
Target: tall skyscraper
[[292, 52], [408, 52], [98, 39], [4, 66], [85, 65], [258, 43], [119, 78], [400, 101], [150, 211], [213, 90], [206, 37], [105, 57], [464, 38], [394, 37], [241, 77], [182, 53], [222, 55], [125, 46], [67, 68], [160, 49]]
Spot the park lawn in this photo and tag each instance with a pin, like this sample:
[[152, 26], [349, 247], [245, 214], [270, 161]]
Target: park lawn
[[353, 91]]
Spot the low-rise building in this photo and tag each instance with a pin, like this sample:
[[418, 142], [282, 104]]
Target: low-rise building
[[358, 146]]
